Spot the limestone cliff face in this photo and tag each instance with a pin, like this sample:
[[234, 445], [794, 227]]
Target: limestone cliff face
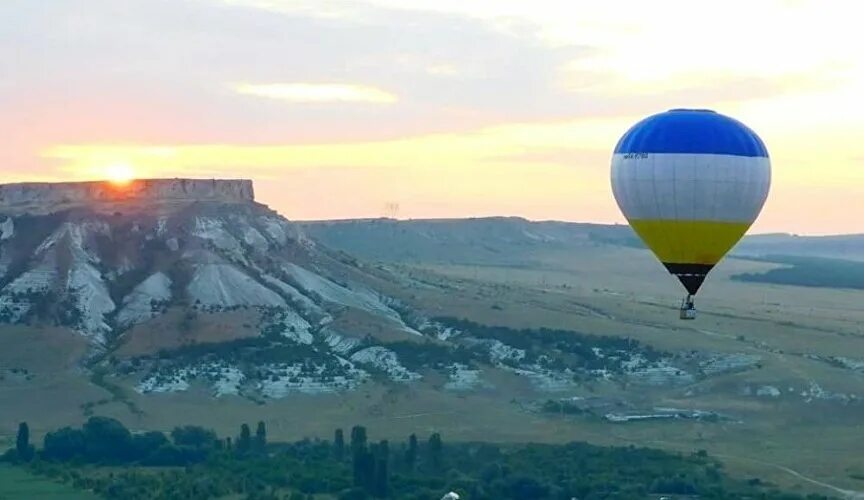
[[103, 259], [47, 197]]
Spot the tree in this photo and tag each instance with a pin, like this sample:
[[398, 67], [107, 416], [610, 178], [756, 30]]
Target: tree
[[146, 444], [384, 449], [244, 442], [63, 444], [382, 479], [23, 447], [435, 452], [411, 453], [22, 442], [170, 455], [526, 487], [339, 445], [107, 440], [194, 436], [363, 462], [358, 439], [364, 469], [260, 438]]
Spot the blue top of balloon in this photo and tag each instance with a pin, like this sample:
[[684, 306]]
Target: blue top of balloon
[[694, 131]]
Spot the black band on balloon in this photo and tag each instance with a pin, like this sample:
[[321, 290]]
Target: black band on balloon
[[690, 275], [688, 269]]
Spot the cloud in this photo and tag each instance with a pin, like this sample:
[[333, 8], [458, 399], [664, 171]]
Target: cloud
[[482, 148], [316, 92], [156, 72]]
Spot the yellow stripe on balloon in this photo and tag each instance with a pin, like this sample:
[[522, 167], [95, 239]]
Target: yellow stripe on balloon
[[689, 241]]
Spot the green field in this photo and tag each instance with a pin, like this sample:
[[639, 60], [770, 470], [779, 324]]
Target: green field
[[18, 484]]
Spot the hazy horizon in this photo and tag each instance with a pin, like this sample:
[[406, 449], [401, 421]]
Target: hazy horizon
[[434, 218]]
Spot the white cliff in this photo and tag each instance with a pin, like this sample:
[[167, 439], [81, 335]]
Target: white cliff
[[223, 285], [7, 229], [45, 197], [138, 306]]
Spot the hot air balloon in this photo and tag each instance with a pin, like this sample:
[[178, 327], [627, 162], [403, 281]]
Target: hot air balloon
[[690, 182]]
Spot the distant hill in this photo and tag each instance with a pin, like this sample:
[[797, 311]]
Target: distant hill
[[496, 240], [844, 246], [491, 240], [816, 272]]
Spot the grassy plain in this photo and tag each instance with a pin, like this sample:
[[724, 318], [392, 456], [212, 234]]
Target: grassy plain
[[598, 290], [621, 291], [18, 484]]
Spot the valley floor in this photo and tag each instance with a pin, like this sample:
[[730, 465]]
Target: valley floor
[[795, 419]]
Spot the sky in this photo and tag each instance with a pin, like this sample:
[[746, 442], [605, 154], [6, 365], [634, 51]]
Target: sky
[[429, 108]]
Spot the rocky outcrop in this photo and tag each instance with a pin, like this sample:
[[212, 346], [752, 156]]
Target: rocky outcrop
[[49, 197], [170, 251]]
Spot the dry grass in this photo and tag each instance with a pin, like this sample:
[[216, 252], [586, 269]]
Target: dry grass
[[174, 329]]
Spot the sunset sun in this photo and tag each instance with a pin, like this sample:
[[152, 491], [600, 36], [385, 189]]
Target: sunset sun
[[119, 173]]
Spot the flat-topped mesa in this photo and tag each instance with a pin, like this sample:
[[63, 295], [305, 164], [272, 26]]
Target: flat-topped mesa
[[49, 197]]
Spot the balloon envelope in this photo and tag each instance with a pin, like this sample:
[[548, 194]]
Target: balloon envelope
[[690, 182]]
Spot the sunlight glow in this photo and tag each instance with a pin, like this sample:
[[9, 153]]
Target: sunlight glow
[[119, 173], [541, 170], [429, 121], [316, 92]]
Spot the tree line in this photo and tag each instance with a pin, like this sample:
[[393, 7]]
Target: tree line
[[194, 463], [106, 441]]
